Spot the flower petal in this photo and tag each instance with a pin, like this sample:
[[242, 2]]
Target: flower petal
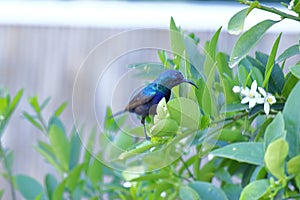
[[252, 102], [254, 86], [260, 100], [236, 89], [245, 91], [271, 99], [267, 108], [245, 100], [262, 91]]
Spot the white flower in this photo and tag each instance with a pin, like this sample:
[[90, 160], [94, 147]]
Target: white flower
[[251, 96], [269, 99], [236, 89]]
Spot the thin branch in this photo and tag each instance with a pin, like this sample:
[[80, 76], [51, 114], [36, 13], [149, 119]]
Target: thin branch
[[271, 10], [187, 168]]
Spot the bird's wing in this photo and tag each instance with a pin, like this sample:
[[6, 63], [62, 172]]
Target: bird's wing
[[143, 97]]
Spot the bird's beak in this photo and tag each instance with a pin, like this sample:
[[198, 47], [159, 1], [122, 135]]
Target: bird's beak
[[191, 82]]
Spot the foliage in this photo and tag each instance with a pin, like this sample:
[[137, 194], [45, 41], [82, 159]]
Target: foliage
[[235, 137]]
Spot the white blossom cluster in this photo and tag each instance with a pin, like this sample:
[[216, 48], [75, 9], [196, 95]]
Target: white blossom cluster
[[253, 97]]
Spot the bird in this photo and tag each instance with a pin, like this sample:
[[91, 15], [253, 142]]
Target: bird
[[144, 103]]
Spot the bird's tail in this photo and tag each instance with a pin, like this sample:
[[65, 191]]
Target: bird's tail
[[117, 114]]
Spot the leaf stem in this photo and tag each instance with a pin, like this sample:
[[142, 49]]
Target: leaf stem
[[8, 171], [270, 9], [187, 168]]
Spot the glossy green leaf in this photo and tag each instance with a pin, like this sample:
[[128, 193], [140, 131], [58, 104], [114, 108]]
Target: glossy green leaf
[[236, 22], [289, 52], [291, 117], [257, 75], [242, 75], [33, 121], [232, 191], [240, 152], [208, 191], [276, 80], [259, 173], [289, 84], [295, 70], [248, 40], [60, 146], [275, 130], [271, 62], [255, 190], [29, 187], [51, 184], [294, 169], [275, 156], [110, 123], [187, 193], [293, 165]]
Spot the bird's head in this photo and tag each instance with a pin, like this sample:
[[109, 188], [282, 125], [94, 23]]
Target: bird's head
[[171, 78]]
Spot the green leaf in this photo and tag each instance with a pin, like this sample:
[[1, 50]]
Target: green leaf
[[60, 109], [293, 165], [95, 172], [242, 75], [289, 84], [33, 121], [60, 146], [51, 184], [289, 52], [45, 103], [236, 22], [294, 169], [59, 191], [271, 61], [255, 190], [109, 123], [240, 152], [257, 75], [235, 107], [295, 70], [248, 40], [74, 177], [148, 70], [185, 112], [124, 141], [276, 80], [15, 101], [208, 191], [47, 152], [275, 130], [232, 191], [75, 145], [177, 43], [145, 146], [33, 101], [291, 117], [29, 187], [275, 156], [187, 193]]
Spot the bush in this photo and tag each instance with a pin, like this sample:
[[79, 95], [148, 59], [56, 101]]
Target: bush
[[236, 137]]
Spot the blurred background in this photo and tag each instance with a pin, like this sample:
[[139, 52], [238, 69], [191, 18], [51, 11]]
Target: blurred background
[[44, 43]]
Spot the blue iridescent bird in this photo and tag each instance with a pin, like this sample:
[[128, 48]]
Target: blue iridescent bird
[[145, 102]]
